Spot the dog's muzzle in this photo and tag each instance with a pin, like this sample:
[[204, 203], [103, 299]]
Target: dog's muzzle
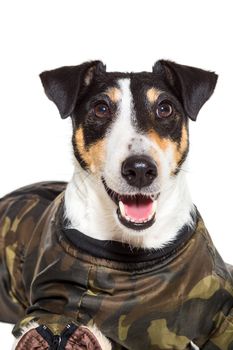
[[136, 211]]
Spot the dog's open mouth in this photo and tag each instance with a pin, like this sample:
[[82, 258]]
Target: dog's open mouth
[[134, 211]]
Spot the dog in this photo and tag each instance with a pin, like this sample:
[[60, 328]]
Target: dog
[[118, 258]]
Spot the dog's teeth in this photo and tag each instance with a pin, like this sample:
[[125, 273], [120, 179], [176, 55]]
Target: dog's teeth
[[122, 208], [143, 220]]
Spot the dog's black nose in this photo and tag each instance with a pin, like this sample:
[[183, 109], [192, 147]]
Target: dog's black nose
[[139, 171]]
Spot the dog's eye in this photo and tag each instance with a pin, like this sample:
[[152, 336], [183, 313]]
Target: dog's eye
[[101, 110], [164, 110]]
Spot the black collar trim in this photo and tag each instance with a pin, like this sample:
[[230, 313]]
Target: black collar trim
[[122, 252]]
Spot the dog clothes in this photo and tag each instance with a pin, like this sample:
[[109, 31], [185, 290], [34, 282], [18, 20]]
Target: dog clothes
[[140, 299]]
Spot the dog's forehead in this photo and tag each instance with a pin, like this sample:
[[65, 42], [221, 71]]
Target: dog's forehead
[[142, 83]]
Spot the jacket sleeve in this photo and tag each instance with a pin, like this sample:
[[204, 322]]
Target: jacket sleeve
[[59, 283]]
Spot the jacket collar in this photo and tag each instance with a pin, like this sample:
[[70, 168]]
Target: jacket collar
[[122, 252]]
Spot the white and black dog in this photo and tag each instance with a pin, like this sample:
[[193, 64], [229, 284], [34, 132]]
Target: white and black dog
[[130, 142]]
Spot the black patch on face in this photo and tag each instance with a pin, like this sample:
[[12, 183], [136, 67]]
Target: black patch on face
[[170, 127], [94, 128], [146, 118]]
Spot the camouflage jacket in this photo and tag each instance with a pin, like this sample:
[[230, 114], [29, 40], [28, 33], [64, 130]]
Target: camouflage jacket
[[152, 300]]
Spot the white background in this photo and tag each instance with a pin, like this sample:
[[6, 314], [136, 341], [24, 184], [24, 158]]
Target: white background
[[127, 36]]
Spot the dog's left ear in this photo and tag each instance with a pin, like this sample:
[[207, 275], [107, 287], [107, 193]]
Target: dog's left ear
[[193, 86], [65, 85]]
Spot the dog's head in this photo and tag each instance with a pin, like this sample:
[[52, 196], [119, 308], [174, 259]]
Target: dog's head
[[130, 130]]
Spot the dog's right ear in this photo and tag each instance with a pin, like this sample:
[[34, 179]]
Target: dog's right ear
[[64, 85], [193, 86]]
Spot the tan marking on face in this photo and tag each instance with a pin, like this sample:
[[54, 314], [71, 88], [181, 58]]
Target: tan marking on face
[[181, 148], [162, 142], [165, 143], [114, 94], [94, 155], [152, 95]]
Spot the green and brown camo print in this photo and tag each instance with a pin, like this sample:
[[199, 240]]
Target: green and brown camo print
[[158, 304]]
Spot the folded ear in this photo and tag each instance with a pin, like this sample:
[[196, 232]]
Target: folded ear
[[193, 86], [64, 85]]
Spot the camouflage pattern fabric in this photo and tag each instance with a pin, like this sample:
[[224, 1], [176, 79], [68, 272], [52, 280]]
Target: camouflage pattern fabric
[[160, 304]]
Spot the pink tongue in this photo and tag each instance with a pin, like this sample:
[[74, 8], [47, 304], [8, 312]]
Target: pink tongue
[[137, 208]]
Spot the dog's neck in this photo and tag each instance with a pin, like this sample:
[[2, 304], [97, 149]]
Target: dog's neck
[[90, 210]]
